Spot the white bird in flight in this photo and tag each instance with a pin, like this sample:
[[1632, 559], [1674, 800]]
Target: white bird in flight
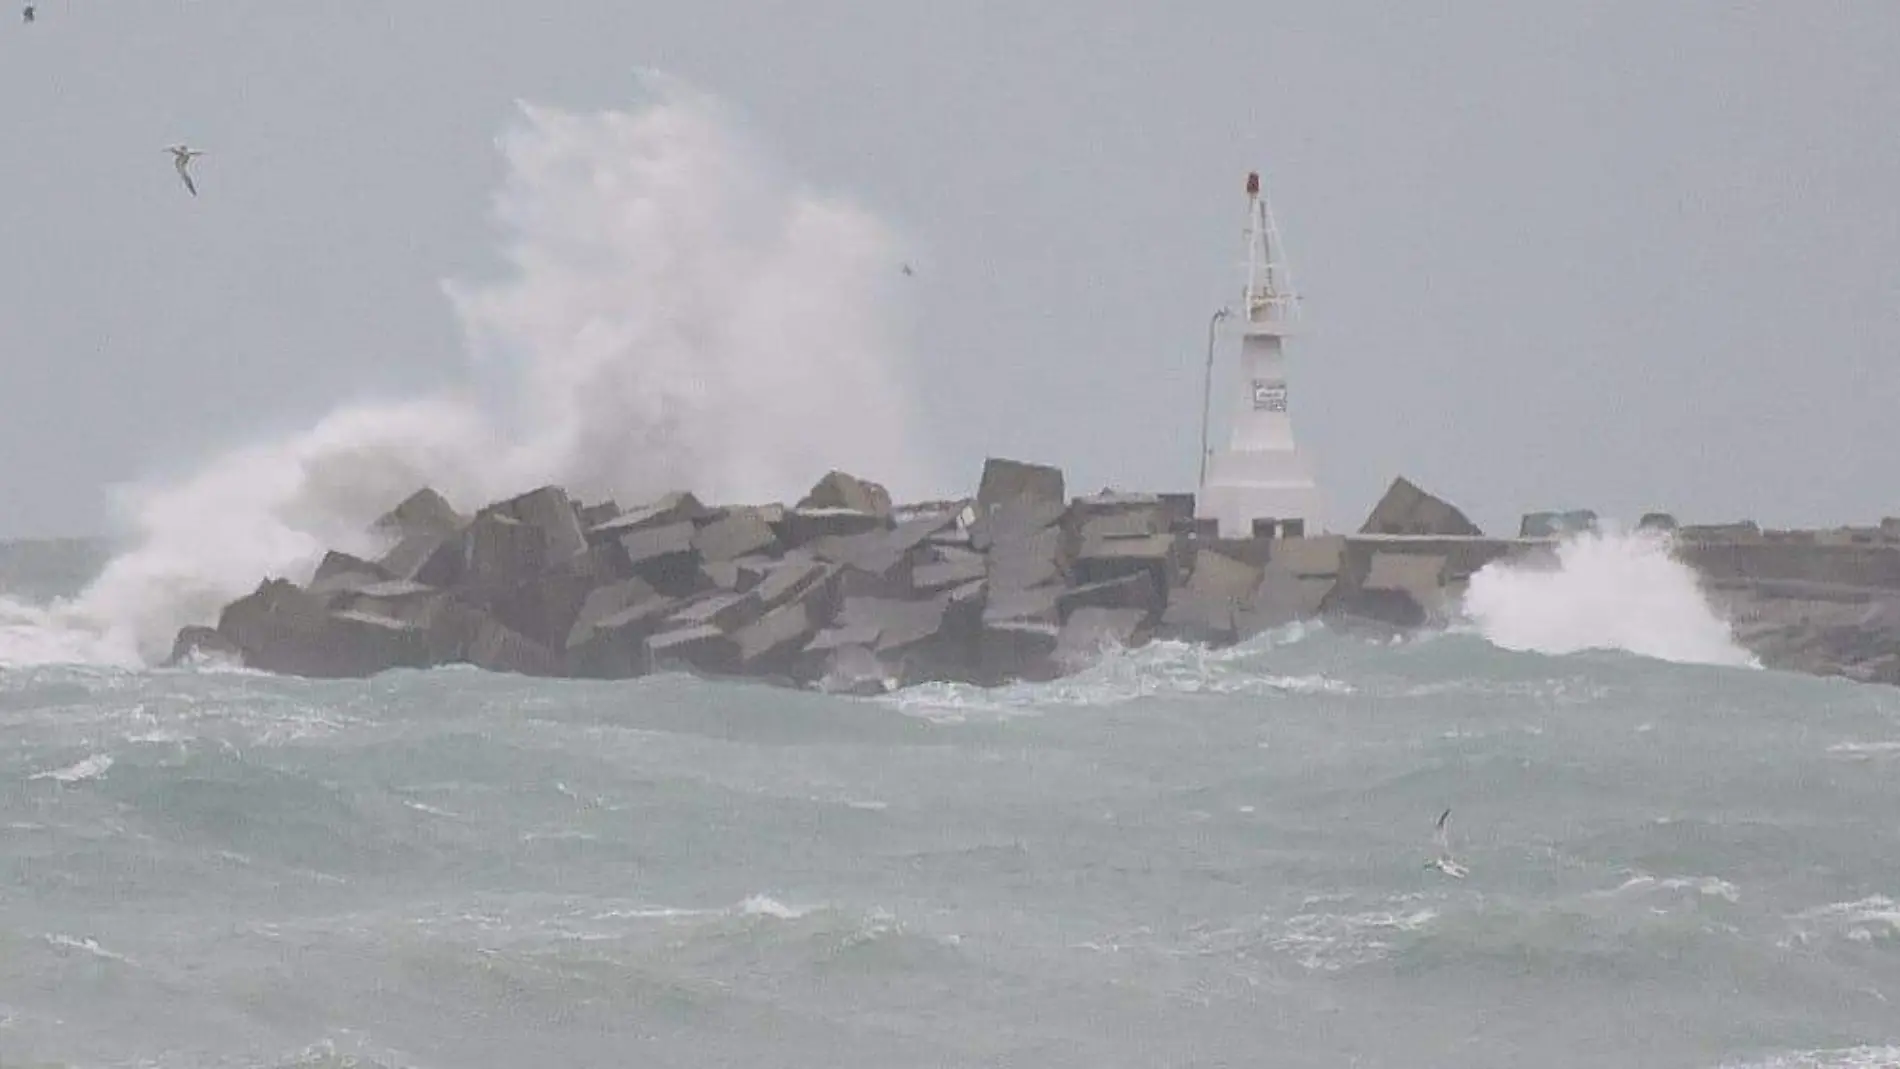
[[1444, 862], [181, 159]]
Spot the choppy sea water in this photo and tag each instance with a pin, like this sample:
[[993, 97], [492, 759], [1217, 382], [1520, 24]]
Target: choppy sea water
[[1176, 858]]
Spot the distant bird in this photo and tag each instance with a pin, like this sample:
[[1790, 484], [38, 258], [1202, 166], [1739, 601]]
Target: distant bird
[[908, 271], [1444, 862], [27, 14], [181, 159]]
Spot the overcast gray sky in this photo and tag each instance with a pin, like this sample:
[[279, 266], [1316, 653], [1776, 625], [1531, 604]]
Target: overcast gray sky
[[1612, 255]]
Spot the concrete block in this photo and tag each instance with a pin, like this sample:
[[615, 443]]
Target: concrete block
[[702, 648], [605, 602], [727, 612], [497, 648], [1102, 559], [1218, 575], [943, 574], [1407, 510], [663, 556], [740, 532], [1027, 561], [1309, 558], [342, 573], [1199, 618], [674, 508], [615, 646], [768, 644], [1007, 480], [1039, 603], [424, 512], [1017, 650], [1093, 630], [803, 526], [549, 509], [838, 490], [1137, 592], [406, 558]]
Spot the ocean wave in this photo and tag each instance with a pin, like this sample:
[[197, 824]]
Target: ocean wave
[[91, 767], [1605, 591], [1868, 1057]]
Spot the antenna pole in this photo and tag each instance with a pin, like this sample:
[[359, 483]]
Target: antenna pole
[[1207, 391]]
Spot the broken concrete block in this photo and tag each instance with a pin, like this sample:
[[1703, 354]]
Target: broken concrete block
[[702, 648], [1282, 598], [854, 671], [1015, 520], [727, 612], [832, 638], [664, 557], [1017, 650], [605, 602], [424, 512], [1205, 619], [494, 550], [1401, 590], [739, 533], [1407, 510], [1009, 480], [1039, 603], [203, 643], [1026, 562], [943, 574], [592, 516], [1218, 575], [1122, 523], [791, 580], [397, 599], [1102, 559], [341, 572], [549, 509], [497, 648], [615, 646], [838, 490], [677, 507], [1137, 592], [802, 526], [1309, 558], [1091, 630], [768, 644]]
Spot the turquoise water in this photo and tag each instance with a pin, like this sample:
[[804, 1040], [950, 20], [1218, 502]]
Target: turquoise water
[[1177, 858]]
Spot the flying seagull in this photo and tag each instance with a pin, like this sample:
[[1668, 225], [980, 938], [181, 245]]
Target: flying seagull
[[1444, 862], [181, 159]]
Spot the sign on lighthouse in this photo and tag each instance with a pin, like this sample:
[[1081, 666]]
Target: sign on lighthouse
[[1261, 482]]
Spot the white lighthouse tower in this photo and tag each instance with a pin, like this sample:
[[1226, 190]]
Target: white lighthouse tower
[[1261, 483]]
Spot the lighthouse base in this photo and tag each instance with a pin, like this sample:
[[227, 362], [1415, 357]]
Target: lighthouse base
[[1246, 491]]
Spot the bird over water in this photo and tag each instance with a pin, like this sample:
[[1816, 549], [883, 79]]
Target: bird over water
[[181, 159]]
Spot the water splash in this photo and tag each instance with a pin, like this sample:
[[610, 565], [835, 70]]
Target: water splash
[[675, 314], [1606, 591]]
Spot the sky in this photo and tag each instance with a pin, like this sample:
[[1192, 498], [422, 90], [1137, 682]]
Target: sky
[[1622, 256]]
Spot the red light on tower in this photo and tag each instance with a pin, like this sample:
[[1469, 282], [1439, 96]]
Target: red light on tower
[[1253, 183]]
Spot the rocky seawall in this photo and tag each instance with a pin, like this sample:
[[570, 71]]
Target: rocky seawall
[[845, 591]]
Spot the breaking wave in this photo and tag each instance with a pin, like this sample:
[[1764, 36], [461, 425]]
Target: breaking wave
[[1603, 591], [675, 314]]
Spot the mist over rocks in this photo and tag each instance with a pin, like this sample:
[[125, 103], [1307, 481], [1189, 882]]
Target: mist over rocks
[[847, 591]]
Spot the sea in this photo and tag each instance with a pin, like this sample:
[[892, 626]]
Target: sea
[[1665, 855], [1177, 857]]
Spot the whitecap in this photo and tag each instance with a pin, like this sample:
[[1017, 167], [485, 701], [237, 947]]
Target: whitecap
[[90, 768]]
